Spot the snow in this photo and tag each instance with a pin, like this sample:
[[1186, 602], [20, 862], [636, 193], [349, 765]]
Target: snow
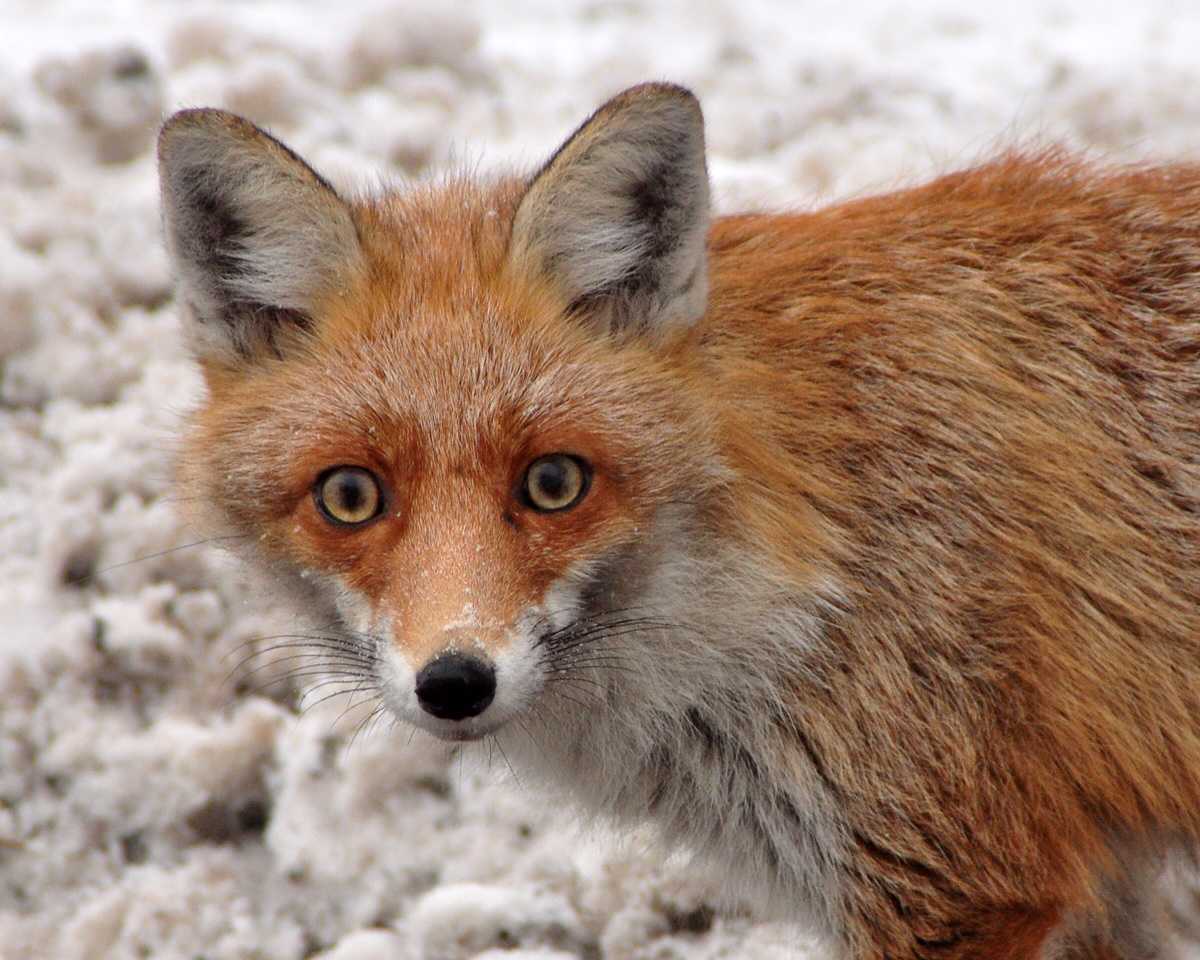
[[167, 789]]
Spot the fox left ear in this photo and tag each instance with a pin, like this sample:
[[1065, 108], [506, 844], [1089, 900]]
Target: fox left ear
[[257, 239], [618, 219]]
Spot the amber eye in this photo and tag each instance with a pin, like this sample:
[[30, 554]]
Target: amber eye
[[348, 495], [555, 482]]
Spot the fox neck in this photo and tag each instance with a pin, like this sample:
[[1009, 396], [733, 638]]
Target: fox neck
[[683, 719]]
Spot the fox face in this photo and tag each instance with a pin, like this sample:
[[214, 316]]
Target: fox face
[[855, 550], [413, 429], [469, 424]]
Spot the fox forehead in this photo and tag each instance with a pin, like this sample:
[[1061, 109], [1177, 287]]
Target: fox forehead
[[460, 386], [443, 333]]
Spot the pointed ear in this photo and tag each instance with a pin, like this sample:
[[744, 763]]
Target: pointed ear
[[618, 219], [256, 238]]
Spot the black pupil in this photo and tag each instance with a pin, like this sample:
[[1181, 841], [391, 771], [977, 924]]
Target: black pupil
[[553, 480], [350, 493]]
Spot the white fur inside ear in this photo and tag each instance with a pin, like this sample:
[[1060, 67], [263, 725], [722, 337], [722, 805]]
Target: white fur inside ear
[[256, 237], [618, 218]]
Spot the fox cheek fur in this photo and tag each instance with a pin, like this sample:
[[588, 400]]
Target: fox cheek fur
[[865, 556]]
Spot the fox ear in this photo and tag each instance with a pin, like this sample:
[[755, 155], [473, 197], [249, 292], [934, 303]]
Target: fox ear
[[618, 219], [256, 238]]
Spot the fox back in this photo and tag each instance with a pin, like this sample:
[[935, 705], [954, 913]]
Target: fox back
[[857, 550]]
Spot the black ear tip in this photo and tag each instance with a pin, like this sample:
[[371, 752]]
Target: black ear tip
[[186, 119], [183, 125], [660, 89], [169, 131], [210, 123], [660, 95]]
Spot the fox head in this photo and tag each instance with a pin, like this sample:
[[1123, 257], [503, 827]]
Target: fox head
[[460, 415]]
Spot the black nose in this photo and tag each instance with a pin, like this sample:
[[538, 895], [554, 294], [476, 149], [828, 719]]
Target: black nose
[[455, 686]]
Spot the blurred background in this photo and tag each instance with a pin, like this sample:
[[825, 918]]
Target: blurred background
[[167, 787]]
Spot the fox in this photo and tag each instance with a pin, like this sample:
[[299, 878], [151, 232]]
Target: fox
[[855, 550]]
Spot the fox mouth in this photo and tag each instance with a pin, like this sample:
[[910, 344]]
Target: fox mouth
[[460, 738], [455, 731], [455, 734]]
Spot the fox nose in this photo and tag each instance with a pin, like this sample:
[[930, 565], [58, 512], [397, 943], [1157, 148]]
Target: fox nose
[[455, 686]]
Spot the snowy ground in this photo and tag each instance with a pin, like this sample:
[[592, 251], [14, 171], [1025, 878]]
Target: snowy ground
[[162, 793]]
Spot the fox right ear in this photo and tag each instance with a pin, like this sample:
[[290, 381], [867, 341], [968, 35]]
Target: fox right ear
[[256, 238], [618, 219]]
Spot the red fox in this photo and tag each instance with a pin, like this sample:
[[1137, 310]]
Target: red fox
[[857, 550]]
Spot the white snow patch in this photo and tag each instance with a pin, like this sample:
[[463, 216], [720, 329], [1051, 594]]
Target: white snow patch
[[367, 945], [458, 921]]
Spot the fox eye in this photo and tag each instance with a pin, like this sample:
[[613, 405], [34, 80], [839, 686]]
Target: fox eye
[[348, 495], [555, 482]]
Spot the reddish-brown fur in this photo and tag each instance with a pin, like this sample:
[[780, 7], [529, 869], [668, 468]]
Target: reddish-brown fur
[[998, 450], [968, 412]]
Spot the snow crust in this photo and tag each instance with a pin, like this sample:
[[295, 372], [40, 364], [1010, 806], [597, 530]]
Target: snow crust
[[167, 789]]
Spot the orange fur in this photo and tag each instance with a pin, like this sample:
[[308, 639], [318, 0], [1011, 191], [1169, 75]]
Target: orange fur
[[998, 376], [957, 427]]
